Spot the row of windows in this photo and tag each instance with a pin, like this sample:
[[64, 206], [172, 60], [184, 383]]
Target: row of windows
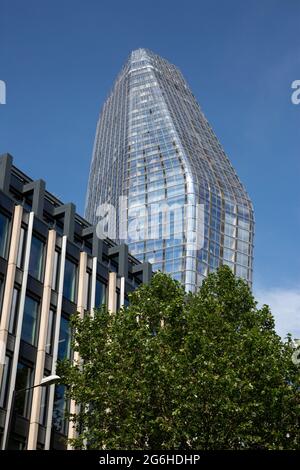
[[154, 186], [37, 260], [32, 310], [25, 372], [37, 265], [31, 319], [4, 234]]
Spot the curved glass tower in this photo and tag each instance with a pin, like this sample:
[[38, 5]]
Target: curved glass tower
[[155, 147]]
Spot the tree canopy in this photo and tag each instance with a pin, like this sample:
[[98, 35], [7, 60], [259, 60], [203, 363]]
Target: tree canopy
[[173, 370]]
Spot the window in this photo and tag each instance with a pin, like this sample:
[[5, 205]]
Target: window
[[229, 242], [4, 230], [1, 293], [24, 379], [36, 262], [16, 442], [70, 280], [242, 259], [14, 311], [118, 299], [43, 409], [50, 332], [228, 254], [241, 272], [156, 195], [87, 303], [55, 277], [30, 321], [230, 218], [175, 190], [60, 407], [4, 384], [64, 344], [243, 235], [229, 263], [21, 249], [243, 247], [230, 230], [245, 224], [100, 294]]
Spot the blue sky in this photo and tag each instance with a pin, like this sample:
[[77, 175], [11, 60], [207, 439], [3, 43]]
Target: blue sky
[[59, 60]]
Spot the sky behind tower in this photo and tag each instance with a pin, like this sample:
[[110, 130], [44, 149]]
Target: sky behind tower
[[59, 60]]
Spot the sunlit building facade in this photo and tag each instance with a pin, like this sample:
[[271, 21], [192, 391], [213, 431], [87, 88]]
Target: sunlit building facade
[[153, 145], [52, 264]]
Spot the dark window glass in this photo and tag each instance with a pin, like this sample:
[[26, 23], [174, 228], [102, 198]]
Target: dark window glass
[[1, 293], [89, 288], [64, 339], [16, 443], [56, 265], [23, 381], [30, 321], [4, 384], [21, 249], [36, 262], [100, 294], [50, 332], [60, 407], [27, 202], [70, 280], [4, 230], [14, 311], [43, 409], [118, 300]]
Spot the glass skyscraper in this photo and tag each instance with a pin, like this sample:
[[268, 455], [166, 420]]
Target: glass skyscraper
[[154, 146]]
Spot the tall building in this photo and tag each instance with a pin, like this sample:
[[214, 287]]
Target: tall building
[[154, 147], [52, 264]]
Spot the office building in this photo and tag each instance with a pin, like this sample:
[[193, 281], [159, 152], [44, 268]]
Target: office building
[[52, 264], [154, 147]]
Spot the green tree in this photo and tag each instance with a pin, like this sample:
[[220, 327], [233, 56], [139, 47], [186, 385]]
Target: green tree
[[178, 371]]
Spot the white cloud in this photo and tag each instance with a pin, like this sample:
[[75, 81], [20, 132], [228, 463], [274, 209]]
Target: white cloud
[[285, 306]]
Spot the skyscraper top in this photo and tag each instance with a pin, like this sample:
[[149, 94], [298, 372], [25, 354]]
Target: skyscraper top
[[155, 147]]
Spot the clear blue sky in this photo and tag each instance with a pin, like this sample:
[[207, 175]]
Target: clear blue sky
[[59, 60]]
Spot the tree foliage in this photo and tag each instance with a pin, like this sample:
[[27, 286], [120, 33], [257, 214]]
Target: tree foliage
[[178, 371]]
